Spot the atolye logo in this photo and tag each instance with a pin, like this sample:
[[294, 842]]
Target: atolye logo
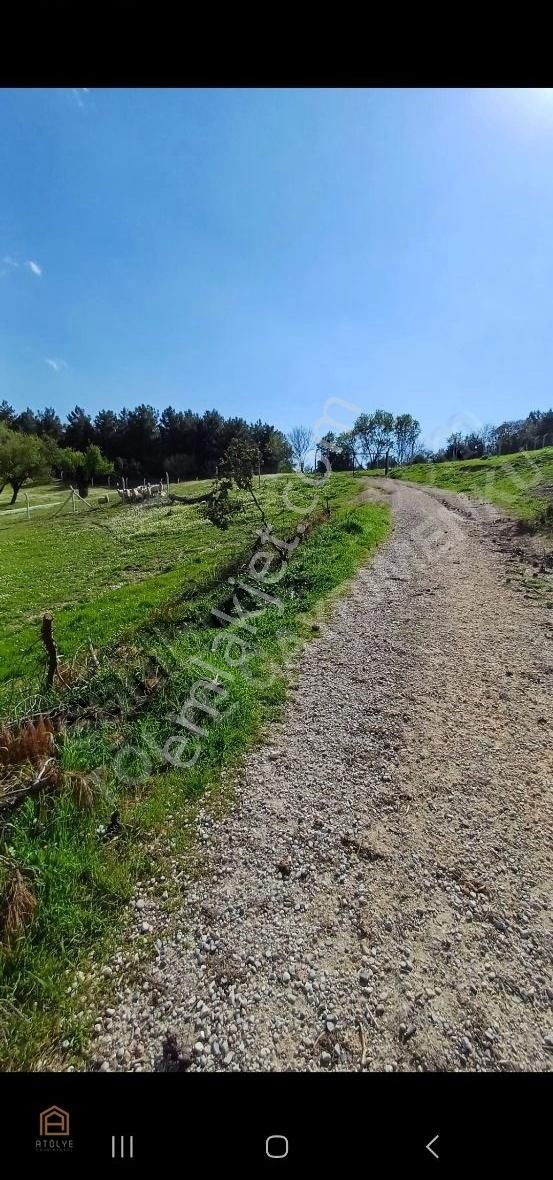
[[54, 1127]]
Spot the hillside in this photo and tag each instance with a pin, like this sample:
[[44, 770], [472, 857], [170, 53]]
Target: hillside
[[520, 484]]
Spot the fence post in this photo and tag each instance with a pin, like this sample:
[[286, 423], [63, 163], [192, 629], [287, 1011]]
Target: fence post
[[47, 635], [28, 509]]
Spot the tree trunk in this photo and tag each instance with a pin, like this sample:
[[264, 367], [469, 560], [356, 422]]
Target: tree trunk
[[258, 506], [16, 487]]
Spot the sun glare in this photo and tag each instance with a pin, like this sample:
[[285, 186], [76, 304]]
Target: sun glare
[[529, 107]]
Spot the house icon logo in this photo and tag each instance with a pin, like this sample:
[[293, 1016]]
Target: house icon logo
[[54, 1131], [54, 1121]]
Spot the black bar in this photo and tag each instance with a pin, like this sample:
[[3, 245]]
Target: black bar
[[307, 1122]]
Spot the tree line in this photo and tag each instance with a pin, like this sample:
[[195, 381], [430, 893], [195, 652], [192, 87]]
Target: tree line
[[380, 439], [143, 443], [524, 434], [136, 444], [375, 440]]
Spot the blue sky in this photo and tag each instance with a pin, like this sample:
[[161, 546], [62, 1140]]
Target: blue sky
[[262, 251]]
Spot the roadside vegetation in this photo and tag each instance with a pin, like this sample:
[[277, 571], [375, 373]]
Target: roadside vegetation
[[520, 484], [88, 805]]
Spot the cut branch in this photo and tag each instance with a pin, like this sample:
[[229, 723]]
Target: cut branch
[[12, 797], [191, 499]]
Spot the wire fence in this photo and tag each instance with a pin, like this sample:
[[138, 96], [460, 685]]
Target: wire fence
[[43, 511]]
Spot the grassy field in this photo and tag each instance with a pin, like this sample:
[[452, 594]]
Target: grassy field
[[140, 584], [521, 484], [97, 571]]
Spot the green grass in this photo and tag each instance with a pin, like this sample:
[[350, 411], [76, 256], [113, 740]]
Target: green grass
[[98, 571], [82, 882], [521, 484]]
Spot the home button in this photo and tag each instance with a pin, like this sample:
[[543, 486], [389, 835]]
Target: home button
[[276, 1147]]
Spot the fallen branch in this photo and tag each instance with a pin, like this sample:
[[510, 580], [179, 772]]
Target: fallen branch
[[191, 499], [15, 797]]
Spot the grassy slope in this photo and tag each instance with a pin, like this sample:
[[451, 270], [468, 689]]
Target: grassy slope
[[515, 483], [98, 570], [82, 882]]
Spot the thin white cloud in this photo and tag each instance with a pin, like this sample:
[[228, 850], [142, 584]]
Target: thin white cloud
[[9, 261], [36, 269], [56, 363], [78, 92]]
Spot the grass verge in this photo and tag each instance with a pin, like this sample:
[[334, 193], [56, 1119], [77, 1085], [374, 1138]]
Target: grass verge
[[521, 484]]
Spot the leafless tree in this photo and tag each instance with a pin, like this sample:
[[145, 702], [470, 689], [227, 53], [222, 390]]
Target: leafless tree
[[301, 441]]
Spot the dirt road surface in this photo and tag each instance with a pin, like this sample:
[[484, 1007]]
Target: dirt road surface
[[406, 795]]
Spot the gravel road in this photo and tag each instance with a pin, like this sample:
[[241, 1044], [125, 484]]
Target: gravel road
[[405, 796]]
